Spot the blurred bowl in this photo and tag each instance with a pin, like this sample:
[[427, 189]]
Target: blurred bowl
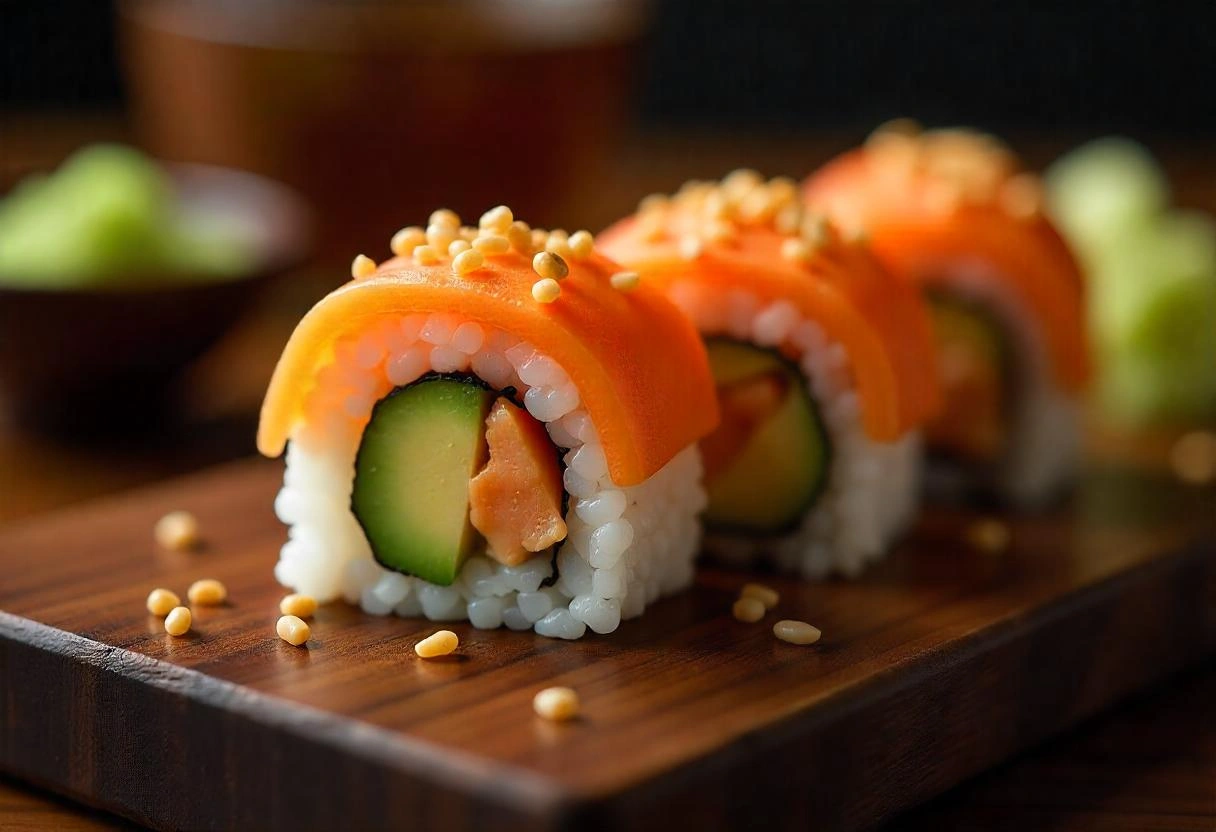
[[103, 359], [379, 112]]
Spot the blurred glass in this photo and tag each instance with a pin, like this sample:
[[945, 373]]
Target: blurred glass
[[380, 112]]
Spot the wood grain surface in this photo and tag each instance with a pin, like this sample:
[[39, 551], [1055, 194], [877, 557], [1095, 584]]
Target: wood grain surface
[[939, 664]]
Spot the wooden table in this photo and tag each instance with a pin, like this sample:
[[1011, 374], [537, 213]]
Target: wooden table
[[1149, 765]]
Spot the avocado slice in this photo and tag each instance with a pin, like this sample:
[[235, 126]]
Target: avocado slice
[[423, 444], [976, 377], [768, 460]]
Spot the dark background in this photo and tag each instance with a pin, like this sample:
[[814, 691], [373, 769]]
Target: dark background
[[1148, 68]]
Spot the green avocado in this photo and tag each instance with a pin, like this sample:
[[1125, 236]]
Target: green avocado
[[423, 444], [768, 460]]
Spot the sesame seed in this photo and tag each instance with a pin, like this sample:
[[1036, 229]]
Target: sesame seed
[[897, 126], [796, 250], [177, 530], [444, 216], [748, 610], [207, 592], [764, 594], [467, 261], [293, 630], [492, 244], [652, 202], [550, 265], [539, 237], [437, 644], [519, 235], [297, 604], [406, 240], [625, 281], [557, 704], [426, 255], [362, 266], [546, 290], [582, 244], [458, 246], [739, 182], [691, 248], [178, 621], [162, 601], [468, 233], [498, 219], [788, 219], [439, 237], [796, 632], [816, 230]]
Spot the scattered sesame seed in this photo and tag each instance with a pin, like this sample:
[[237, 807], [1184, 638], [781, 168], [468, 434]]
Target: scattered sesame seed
[[457, 246], [293, 630], [492, 244], [498, 218], [519, 235], [406, 240], [691, 248], [625, 281], [426, 255], [757, 205], [796, 632], [897, 126], [748, 610], [207, 592], [548, 264], [162, 601], [467, 261], [468, 233], [362, 266], [178, 621], [177, 530], [988, 535], [539, 237], [297, 604], [582, 243], [546, 290], [764, 594], [1193, 457], [437, 644], [557, 704], [653, 226], [444, 216]]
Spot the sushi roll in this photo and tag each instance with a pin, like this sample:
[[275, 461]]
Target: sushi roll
[[491, 425], [952, 213], [823, 366]]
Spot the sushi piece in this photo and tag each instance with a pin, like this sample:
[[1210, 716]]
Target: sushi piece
[[823, 365], [952, 213], [481, 429]]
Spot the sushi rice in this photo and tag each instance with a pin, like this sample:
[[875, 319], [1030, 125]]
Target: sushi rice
[[625, 548]]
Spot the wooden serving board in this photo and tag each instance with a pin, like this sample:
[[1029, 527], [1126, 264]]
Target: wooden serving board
[[941, 662]]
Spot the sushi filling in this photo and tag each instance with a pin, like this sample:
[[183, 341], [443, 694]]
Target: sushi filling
[[854, 496], [978, 383], [766, 463], [1007, 429], [448, 467]]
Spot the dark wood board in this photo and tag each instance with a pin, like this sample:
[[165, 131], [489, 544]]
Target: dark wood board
[[940, 663]]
